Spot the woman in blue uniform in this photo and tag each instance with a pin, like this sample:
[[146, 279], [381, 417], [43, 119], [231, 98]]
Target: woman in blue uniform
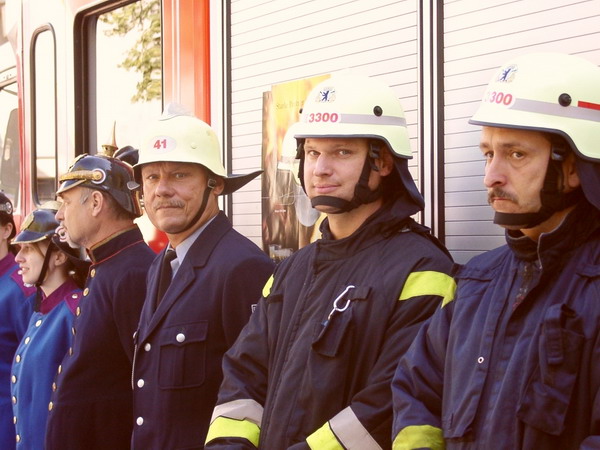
[[16, 306], [58, 275]]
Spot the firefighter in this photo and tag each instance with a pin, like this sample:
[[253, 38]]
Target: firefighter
[[59, 276], [313, 367], [512, 362], [91, 407], [197, 302], [16, 307]]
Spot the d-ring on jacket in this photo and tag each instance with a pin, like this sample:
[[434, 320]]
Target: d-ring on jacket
[[313, 367]]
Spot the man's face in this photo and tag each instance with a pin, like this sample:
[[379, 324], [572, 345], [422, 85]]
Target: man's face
[[173, 193], [332, 167], [75, 214], [516, 162]]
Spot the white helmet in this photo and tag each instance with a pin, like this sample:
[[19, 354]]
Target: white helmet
[[354, 106], [350, 105], [181, 138], [550, 92], [557, 94]]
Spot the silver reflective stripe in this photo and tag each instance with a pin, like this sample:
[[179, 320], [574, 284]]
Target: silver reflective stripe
[[351, 432], [372, 119], [554, 109], [245, 409]]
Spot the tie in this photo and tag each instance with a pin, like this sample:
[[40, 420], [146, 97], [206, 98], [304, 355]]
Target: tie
[[165, 274]]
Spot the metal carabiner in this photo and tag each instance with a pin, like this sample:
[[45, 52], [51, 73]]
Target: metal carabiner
[[335, 303]]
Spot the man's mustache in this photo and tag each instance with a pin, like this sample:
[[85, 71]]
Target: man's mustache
[[170, 204], [498, 192]]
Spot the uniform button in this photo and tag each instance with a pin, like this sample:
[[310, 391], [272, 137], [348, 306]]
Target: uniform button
[[50, 406], [480, 359], [180, 337], [14, 400], [13, 379], [15, 420], [73, 330], [78, 311], [70, 351], [86, 291], [18, 438], [38, 323], [147, 347], [54, 386], [74, 295], [140, 383], [60, 368], [93, 273], [139, 420], [134, 334], [18, 358], [27, 339]]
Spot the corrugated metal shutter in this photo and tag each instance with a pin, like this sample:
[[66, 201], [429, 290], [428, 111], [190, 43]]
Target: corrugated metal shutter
[[274, 42], [479, 37]]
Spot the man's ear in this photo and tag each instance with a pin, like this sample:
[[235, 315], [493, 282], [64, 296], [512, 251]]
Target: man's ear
[[98, 202], [5, 230], [385, 162], [59, 258], [570, 175], [218, 189]]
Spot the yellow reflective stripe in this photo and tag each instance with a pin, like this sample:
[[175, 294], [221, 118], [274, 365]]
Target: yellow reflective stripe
[[267, 288], [324, 439], [429, 283], [223, 427], [419, 436]]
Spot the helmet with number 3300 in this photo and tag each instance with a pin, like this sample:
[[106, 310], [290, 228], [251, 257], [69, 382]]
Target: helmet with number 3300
[[349, 105]]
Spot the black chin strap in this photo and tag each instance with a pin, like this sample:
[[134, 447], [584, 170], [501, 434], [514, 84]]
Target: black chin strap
[[362, 193], [211, 184], [42, 276], [552, 195]]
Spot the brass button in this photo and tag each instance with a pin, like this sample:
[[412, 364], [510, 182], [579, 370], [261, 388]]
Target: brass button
[[18, 358], [93, 273], [13, 379], [18, 438], [78, 311], [38, 323], [27, 339], [14, 400], [54, 386], [50, 406], [86, 291], [60, 368]]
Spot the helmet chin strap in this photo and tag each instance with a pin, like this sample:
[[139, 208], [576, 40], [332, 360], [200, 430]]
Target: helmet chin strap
[[42, 276], [210, 185], [362, 193], [552, 195]]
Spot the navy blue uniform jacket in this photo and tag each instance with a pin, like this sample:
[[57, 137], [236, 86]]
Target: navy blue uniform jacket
[[179, 347], [92, 405]]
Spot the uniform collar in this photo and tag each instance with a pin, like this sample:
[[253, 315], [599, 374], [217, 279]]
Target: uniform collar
[[57, 296], [114, 244]]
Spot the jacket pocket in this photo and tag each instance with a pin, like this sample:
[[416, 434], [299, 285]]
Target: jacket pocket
[[182, 356], [546, 397]]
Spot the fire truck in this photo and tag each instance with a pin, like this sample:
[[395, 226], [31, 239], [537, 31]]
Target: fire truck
[[82, 76]]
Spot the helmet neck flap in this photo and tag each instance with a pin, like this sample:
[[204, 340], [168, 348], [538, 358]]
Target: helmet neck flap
[[552, 195]]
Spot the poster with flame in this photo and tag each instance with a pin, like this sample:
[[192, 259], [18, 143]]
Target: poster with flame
[[288, 220]]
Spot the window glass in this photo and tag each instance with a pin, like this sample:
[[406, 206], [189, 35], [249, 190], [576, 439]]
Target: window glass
[[128, 72], [44, 116], [9, 142]]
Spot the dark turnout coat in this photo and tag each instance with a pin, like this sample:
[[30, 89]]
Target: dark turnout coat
[[91, 407], [179, 346], [303, 376]]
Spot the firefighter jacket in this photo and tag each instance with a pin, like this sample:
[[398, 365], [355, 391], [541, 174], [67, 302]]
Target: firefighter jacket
[[92, 405], [180, 344], [313, 367], [512, 362], [16, 306], [47, 339]]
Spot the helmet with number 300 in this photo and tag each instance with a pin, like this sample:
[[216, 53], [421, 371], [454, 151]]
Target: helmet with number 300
[[549, 92], [182, 138]]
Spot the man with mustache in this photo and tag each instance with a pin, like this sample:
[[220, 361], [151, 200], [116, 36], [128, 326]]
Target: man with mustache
[[91, 406], [512, 361], [197, 301]]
